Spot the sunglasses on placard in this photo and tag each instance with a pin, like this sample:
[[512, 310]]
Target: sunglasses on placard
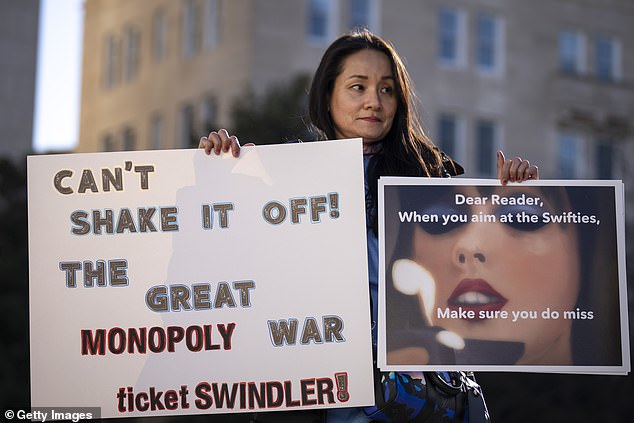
[[522, 218]]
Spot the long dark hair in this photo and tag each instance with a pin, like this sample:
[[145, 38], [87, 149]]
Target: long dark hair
[[407, 151]]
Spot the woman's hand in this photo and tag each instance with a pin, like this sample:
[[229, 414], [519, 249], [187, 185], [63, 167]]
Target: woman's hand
[[220, 142], [516, 170]]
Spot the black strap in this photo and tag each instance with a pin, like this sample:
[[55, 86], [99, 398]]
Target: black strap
[[478, 411]]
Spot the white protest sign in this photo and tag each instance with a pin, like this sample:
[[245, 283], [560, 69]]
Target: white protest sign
[[523, 277], [171, 282]]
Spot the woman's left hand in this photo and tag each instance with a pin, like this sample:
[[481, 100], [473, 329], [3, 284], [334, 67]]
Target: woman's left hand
[[516, 170]]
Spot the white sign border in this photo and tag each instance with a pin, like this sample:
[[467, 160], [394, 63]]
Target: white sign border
[[623, 369]]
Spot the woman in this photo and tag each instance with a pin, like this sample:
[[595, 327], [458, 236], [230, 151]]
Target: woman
[[362, 89]]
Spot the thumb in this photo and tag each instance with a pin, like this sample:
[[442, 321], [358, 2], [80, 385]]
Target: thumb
[[501, 159]]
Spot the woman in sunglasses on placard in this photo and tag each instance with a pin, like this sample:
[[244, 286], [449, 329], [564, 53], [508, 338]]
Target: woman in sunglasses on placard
[[489, 288]]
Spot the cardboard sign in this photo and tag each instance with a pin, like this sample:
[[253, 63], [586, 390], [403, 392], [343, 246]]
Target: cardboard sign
[[171, 282], [524, 277]]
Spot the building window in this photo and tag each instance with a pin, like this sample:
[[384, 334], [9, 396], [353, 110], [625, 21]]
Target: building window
[[209, 114], [107, 143], [156, 132], [128, 139], [489, 43], [191, 28], [187, 137], [321, 20], [363, 14], [607, 58], [605, 159], [112, 62], [212, 23], [486, 143], [572, 52], [159, 36], [132, 51], [569, 157], [451, 37], [450, 135]]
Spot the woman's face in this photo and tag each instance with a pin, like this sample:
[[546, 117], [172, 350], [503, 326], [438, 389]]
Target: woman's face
[[489, 267], [363, 100]]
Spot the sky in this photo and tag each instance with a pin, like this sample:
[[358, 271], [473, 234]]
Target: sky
[[58, 80]]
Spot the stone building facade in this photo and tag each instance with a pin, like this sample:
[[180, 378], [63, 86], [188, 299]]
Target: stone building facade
[[549, 80]]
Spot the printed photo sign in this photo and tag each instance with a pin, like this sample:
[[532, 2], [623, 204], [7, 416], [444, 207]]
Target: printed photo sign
[[523, 277], [172, 282]]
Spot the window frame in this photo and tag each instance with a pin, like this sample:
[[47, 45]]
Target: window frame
[[458, 141], [186, 112], [132, 52], [494, 44], [372, 18], [209, 112], [213, 23], [614, 61], [107, 143], [156, 132], [484, 158], [572, 62], [112, 61], [458, 37], [603, 170], [570, 155], [331, 15], [128, 139], [190, 29], [159, 36]]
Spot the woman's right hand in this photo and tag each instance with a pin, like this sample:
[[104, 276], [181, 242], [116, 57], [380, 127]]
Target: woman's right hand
[[219, 142]]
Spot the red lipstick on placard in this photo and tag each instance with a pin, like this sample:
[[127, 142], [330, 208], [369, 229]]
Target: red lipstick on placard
[[476, 295]]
